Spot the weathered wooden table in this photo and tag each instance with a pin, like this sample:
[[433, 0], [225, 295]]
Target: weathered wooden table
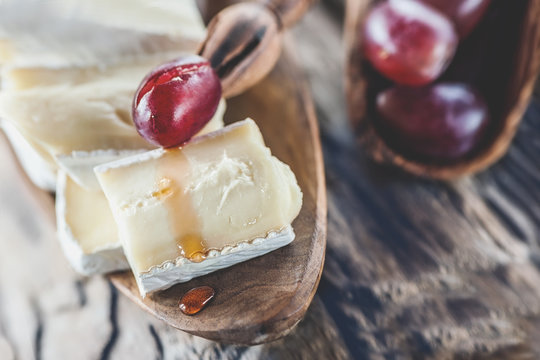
[[414, 268]]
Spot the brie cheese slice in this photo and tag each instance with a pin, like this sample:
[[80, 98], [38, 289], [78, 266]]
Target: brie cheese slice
[[86, 229], [56, 34], [220, 199], [79, 165], [175, 18], [41, 166], [16, 78], [91, 115], [69, 69]]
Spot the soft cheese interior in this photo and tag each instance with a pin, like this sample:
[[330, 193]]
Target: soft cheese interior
[[218, 191], [86, 229], [89, 217]]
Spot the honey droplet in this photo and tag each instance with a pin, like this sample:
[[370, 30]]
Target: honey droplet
[[192, 247], [197, 257], [196, 299]]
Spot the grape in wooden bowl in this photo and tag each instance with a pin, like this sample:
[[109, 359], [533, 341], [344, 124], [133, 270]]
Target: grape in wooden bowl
[[436, 101]]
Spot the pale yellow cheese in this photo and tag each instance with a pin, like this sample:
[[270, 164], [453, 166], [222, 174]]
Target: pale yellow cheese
[[89, 217], [86, 229], [72, 33], [69, 69], [85, 116], [217, 191], [79, 165], [173, 17], [88, 116], [15, 78]]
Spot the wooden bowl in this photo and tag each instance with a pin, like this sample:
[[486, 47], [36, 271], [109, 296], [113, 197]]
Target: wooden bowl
[[501, 58]]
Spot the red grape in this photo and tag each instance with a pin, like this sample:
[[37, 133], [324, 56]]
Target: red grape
[[409, 42], [176, 100], [464, 13], [439, 122]]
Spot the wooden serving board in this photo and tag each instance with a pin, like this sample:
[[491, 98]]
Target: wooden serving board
[[262, 299]]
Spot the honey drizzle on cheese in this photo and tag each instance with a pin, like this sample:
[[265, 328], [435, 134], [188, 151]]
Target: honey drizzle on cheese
[[185, 225]]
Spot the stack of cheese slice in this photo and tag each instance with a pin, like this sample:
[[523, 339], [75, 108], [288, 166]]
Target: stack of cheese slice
[[220, 199], [69, 70], [86, 229], [180, 213]]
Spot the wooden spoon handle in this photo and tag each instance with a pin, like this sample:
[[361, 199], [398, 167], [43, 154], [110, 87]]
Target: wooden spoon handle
[[244, 40]]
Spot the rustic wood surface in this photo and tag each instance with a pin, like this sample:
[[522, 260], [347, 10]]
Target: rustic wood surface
[[261, 300], [414, 268]]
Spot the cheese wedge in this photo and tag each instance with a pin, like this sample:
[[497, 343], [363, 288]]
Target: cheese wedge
[[64, 34], [85, 224], [41, 165], [173, 17], [86, 229], [79, 165], [219, 200], [69, 68], [16, 78], [88, 116]]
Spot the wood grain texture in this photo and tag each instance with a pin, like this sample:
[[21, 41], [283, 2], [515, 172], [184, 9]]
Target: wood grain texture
[[415, 269], [262, 299], [49, 312], [501, 59]]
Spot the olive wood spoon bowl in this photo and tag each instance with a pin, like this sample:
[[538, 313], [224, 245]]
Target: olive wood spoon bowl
[[501, 58], [260, 300]]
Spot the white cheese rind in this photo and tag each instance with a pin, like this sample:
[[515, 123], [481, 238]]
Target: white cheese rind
[[102, 260], [40, 172], [182, 270], [79, 165]]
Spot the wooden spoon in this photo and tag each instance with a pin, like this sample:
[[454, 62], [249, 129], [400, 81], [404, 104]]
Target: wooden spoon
[[262, 299], [244, 40], [501, 58]]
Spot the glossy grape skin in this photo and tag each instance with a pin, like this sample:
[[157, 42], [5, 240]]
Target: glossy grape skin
[[464, 13], [441, 122], [408, 42], [176, 100]]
